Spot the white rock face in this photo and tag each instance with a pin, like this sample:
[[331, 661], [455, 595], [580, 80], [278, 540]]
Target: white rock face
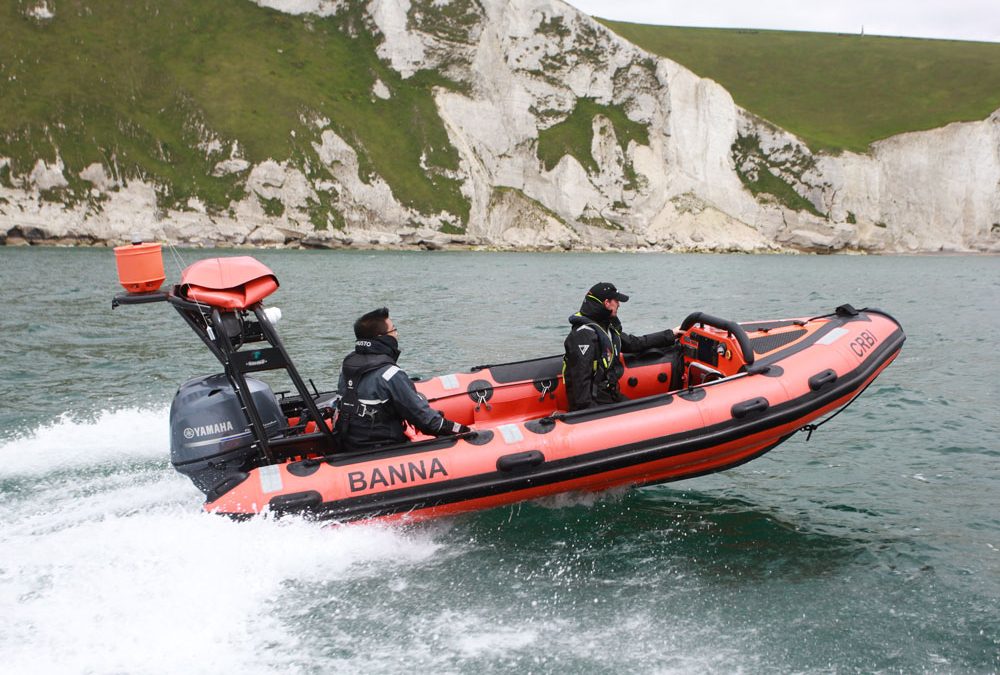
[[271, 180], [98, 177], [692, 126], [527, 63], [365, 201], [403, 49], [41, 11], [48, 176], [937, 189], [381, 91], [229, 166], [317, 7], [515, 221]]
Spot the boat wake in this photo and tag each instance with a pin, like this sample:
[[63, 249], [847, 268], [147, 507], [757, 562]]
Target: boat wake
[[112, 437], [109, 565]]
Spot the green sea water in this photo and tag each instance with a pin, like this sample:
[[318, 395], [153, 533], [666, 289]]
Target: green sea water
[[873, 547]]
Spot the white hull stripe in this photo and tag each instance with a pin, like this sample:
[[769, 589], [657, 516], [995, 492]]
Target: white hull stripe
[[449, 381]]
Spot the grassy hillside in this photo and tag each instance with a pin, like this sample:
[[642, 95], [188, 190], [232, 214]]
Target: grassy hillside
[[136, 85], [836, 91]]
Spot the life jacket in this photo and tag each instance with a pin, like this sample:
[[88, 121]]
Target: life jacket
[[607, 365], [354, 410]]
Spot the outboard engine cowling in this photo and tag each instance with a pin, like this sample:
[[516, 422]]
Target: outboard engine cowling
[[210, 438]]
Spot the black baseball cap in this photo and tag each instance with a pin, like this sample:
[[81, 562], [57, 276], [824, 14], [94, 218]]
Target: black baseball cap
[[605, 291]]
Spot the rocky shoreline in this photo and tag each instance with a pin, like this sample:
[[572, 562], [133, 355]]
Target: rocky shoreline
[[16, 239], [27, 218]]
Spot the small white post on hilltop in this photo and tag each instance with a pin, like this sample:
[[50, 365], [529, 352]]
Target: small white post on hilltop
[[862, 30]]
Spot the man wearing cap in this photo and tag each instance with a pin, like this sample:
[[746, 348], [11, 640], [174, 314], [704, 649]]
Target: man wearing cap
[[377, 396], [592, 363]]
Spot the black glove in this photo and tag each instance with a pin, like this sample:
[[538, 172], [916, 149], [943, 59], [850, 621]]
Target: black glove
[[450, 428], [663, 340]]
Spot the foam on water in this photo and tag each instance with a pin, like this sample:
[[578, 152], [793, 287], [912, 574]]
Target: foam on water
[[111, 438], [109, 565], [171, 591], [119, 571]]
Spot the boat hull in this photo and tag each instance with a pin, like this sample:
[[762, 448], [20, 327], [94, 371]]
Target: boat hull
[[525, 448]]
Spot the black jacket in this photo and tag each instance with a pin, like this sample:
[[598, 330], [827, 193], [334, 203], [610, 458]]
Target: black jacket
[[592, 362], [377, 398]]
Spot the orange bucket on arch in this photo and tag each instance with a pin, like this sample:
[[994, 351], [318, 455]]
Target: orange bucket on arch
[[140, 267]]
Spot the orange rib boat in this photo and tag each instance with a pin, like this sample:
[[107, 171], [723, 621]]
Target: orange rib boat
[[725, 394]]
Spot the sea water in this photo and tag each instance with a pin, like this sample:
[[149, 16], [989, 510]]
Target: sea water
[[873, 547]]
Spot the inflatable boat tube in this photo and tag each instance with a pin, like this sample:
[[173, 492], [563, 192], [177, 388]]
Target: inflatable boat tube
[[725, 394]]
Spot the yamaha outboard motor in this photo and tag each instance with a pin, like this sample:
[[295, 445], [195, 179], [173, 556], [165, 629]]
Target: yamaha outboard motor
[[210, 439], [224, 426]]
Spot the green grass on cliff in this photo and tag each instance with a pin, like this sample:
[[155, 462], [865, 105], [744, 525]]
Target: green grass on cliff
[[836, 92], [132, 84], [574, 135]]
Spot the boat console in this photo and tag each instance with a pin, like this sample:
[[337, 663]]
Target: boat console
[[713, 349]]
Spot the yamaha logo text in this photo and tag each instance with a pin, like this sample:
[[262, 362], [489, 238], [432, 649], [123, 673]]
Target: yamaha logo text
[[208, 430]]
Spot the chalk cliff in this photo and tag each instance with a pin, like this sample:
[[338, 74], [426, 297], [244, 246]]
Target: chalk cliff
[[526, 65]]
